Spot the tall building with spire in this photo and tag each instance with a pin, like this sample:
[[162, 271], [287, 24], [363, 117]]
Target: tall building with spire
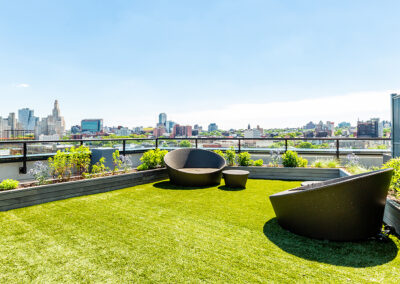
[[52, 125]]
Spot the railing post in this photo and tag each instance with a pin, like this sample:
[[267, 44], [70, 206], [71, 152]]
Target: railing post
[[81, 142], [23, 170], [286, 145], [196, 143], [337, 149], [240, 147], [123, 147], [156, 143]]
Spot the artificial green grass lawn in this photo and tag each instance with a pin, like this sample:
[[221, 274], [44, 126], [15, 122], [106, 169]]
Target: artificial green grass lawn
[[156, 232]]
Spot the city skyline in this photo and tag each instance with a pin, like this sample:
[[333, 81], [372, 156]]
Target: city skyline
[[359, 106], [201, 62], [54, 124]]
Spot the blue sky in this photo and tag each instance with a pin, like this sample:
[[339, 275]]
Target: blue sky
[[273, 63]]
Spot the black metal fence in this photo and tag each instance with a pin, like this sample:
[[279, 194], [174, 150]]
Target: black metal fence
[[336, 150]]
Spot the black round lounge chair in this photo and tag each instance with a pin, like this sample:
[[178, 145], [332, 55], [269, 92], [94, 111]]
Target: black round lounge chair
[[343, 209], [194, 167]]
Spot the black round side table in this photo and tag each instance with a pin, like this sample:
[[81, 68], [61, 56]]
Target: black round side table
[[235, 178]]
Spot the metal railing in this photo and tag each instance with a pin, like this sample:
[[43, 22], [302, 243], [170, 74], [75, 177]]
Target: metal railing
[[24, 157]]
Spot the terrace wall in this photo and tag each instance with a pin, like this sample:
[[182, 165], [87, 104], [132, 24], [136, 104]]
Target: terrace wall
[[18, 198]]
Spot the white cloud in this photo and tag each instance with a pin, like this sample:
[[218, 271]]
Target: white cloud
[[23, 85], [349, 107]]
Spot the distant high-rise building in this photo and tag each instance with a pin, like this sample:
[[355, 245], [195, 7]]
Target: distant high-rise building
[[212, 127], [324, 130], [138, 130], [309, 125], [371, 128], [185, 131], [27, 119], [330, 127], [52, 125], [169, 125], [159, 131], [162, 119], [122, 131], [198, 128], [12, 121], [4, 128], [344, 124], [92, 125], [252, 133]]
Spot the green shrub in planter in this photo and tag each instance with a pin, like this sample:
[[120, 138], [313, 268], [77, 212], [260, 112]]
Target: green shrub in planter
[[9, 184], [230, 156], [395, 183], [152, 159], [291, 160], [258, 163], [244, 159], [326, 164]]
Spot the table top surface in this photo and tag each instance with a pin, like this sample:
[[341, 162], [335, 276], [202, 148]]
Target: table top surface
[[235, 172]]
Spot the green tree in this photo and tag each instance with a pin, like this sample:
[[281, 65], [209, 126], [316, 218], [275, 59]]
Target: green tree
[[305, 145], [185, 144]]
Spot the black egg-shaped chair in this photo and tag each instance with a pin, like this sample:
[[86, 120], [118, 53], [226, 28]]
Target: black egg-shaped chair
[[342, 209], [194, 167]]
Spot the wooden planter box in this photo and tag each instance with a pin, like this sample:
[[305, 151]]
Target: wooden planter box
[[18, 198], [303, 174], [392, 215]]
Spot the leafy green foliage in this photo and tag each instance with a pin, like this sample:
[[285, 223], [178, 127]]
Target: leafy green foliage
[[338, 132], [244, 159], [152, 159], [291, 159], [63, 164], [395, 183], [185, 144], [305, 145], [258, 163], [230, 156], [333, 163], [326, 164], [99, 169], [318, 164], [60, 166], [80, 158], [9, 184], [116, 161], [356, 169]]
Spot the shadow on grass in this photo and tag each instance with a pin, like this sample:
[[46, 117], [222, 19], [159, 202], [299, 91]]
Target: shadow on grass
[[168, 185], [350, 254], [227, 188]]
